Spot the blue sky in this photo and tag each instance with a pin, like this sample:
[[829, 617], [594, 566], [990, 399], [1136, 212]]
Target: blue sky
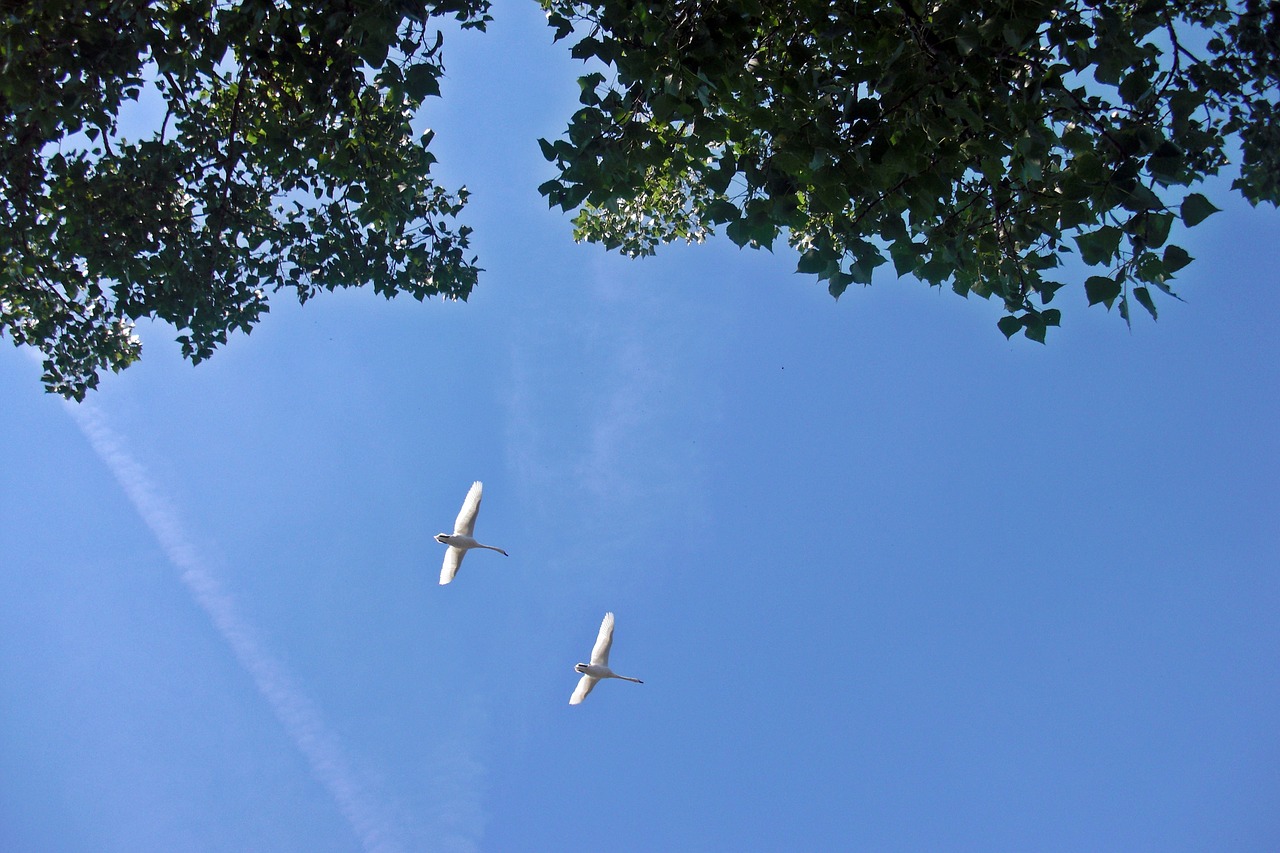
[[892, 582]]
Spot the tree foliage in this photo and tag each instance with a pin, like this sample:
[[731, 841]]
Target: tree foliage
[[284, 159], [974, 144], [969, 143]]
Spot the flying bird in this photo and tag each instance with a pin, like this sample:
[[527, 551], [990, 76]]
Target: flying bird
[[599, 666], [460, 541]]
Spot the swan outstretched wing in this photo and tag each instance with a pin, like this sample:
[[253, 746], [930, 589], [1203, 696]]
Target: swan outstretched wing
[[452, 560], [466, 523], [584, 687], [604, 640]]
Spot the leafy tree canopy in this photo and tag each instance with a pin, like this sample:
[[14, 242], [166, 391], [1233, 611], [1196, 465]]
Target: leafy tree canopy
[[284, 159], [969, 143]]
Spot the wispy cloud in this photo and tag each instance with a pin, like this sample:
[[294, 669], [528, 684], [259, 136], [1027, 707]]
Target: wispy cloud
[[457, 784], [368, 818], [603, 417]]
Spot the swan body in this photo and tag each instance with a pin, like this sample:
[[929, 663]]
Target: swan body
[[599, 666], [460, 541]]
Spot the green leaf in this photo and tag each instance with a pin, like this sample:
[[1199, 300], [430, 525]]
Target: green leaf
[[937, 269], [374, 50], [1009, 325], [762, 231], [861, 271], [562, 25], [1144, 299], [812, 262], [1099, 288], [1099, 247], [585, 49], [420, 81], [1157, 228], [718, 180], [905, 255], [1149, 268], [573, 196], [1175, 258], [587, 85], [837, 283], [1142, 198], [1196, 208], [721, 210], [1134, 86], [548, 150], [1166, 163], [739, 232], [1036, 327]]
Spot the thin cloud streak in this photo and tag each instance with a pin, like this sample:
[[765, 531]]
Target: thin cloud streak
[[301, 721]]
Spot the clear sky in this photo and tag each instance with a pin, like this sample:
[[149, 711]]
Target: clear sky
[[893, 583]]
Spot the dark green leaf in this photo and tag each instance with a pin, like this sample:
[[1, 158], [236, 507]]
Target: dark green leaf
[[1144, 299], [812, 262], [374, 51], [1157, 229], [1141, 198], [905, 255], [1099, 288], [718, 180], [587, 85], [1175, 258], [739, 232], [420, 82], [1035, 327], [1196, 208], [1099, 247], [585, 49], [721, 210], [562, 25], [837, 283], [1134, 85]]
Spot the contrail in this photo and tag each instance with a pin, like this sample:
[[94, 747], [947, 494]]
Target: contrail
[[301, 720]]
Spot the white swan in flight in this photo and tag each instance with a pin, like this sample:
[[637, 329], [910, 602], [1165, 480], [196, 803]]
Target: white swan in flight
[[599, 666], [460, 541]]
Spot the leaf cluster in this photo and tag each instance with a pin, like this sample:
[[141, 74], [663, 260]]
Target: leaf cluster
[[284, 160], [974, 145]]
